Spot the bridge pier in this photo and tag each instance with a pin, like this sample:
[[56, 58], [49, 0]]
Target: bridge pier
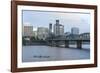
[[53, 43], [49, 43], [79, 44], [57, 43], [66, 44]]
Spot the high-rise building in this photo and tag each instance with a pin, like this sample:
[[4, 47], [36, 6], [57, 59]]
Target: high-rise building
[[58, 29], [50, 29], [28, 31], [61, 30], [75, 30], [42, 33]]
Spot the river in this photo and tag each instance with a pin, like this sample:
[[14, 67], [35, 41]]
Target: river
[[47, 53]]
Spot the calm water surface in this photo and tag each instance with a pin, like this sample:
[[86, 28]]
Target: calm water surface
[[47, 53]]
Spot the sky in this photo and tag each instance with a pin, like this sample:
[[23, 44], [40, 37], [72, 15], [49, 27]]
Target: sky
[[68, 19]]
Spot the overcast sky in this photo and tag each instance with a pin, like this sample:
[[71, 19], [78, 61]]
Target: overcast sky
[[68, 19]]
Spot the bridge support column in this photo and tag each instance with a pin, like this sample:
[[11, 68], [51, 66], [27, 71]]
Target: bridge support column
[[79, 44], [66, 44], [57, 43], [48, 43], [53, 43]]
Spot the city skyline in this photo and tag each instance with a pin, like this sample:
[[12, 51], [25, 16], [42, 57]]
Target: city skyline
[[36, 29], [52, 35], [69, 20]]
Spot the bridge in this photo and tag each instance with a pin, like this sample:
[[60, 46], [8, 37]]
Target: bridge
[[66, 41]]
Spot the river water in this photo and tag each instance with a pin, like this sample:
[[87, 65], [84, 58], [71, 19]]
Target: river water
[[47, 53]]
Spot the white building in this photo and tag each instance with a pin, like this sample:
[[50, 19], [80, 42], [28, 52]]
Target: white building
[[42, 33], [58, 29], [61, 30], [75, 30], [35, 34]]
